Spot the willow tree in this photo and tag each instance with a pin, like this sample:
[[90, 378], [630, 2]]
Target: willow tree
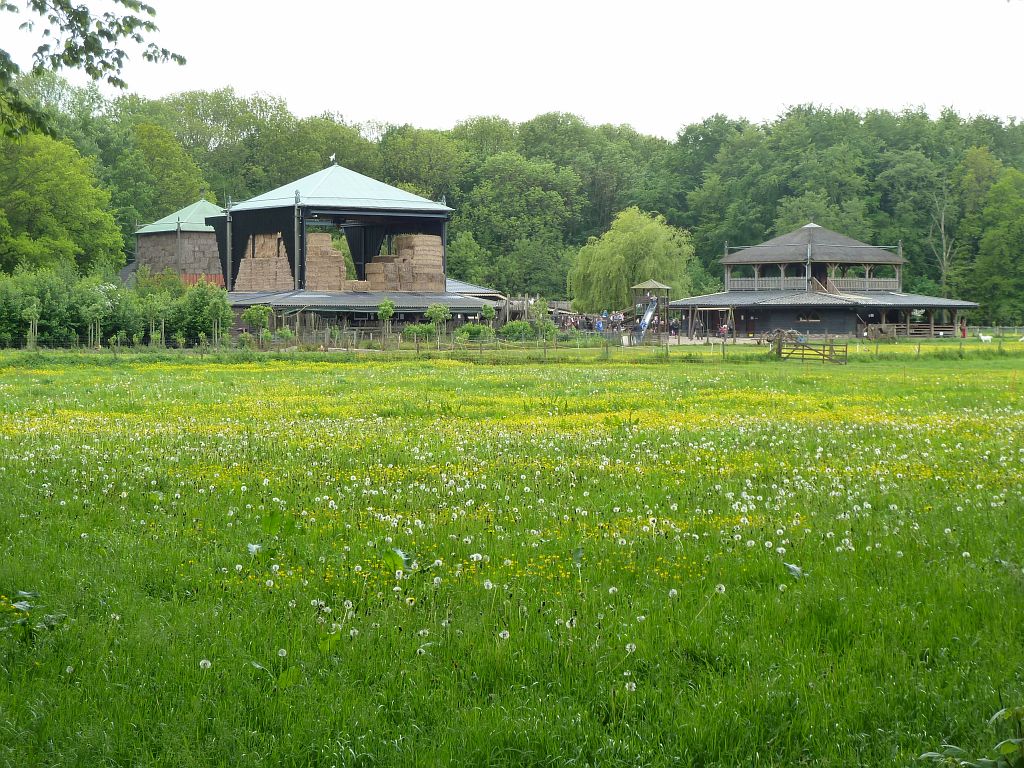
[[639, 246]]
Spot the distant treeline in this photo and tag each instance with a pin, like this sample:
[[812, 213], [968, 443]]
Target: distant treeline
[[527, 196]]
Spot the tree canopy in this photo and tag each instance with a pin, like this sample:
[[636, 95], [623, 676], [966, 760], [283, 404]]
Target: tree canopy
[[53, 213], [528, 196], [637, 247], [72, 35]]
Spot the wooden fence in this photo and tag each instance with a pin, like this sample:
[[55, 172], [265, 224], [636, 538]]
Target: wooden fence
[[828, 352]]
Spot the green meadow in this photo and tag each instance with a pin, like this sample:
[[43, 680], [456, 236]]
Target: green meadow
[[321, 561]]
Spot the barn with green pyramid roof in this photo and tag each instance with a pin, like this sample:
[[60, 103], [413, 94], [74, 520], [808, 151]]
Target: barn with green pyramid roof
[[292, 225], [182, 242], [336, 244]]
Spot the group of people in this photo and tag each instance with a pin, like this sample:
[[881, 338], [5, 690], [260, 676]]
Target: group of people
[[616, 322], [606, 321]]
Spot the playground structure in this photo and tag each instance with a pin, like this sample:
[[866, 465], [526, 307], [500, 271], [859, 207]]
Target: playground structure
[[653, 298]]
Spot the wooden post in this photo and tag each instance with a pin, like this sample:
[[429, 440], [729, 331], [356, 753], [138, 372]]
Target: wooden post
[[227, 277], [296, 224]]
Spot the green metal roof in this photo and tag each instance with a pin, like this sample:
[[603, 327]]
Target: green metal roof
[[192, 219], [337, 187], [649, 285]]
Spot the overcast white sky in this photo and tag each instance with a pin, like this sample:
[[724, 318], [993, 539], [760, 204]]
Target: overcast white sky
[[654, 65]]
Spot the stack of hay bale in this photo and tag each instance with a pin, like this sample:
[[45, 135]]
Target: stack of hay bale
[[416, 266], [325, 266], [265, 266], [382, 273]]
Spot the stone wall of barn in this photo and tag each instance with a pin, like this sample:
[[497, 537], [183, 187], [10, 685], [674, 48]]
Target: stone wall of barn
[[185, 253]]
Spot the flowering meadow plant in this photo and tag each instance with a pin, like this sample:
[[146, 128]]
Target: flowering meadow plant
[[436, 563]]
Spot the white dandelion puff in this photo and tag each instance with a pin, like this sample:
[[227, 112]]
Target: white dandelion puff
[[794, 570]]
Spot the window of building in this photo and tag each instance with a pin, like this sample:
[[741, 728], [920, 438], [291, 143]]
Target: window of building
[[809, 317]]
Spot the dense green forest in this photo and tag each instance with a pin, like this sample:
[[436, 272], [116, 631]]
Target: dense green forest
[[529, 196]]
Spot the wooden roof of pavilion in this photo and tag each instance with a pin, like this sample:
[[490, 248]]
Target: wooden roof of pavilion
[[824, 246]]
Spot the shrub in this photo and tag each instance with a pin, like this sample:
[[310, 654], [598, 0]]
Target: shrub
[[517, 330], [420, 331], [473, 332]]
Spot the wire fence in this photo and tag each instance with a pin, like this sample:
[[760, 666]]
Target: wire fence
[[583, 348]]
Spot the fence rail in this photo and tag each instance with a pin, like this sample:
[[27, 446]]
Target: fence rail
[[866, 283], [765, 283]]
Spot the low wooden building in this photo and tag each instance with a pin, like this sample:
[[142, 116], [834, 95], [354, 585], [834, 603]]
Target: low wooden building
[[819, 282]]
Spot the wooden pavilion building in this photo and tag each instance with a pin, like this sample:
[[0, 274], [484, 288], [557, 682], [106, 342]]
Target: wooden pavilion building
[[819, 282]]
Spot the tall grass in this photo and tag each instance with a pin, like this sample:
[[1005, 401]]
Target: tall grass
[[312, 562]]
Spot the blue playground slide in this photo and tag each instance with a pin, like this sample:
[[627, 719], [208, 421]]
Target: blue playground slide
[[646, 321]]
